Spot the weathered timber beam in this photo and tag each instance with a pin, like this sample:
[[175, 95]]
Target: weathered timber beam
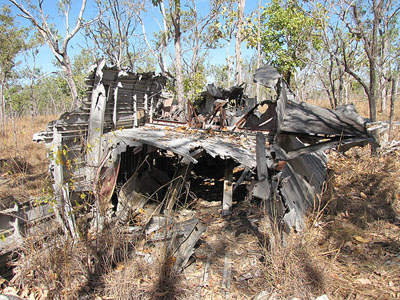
[[228, 188]]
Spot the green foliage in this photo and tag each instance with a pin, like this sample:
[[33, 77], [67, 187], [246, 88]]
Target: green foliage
[[81, 64], [12, 41], [18, 97], [194, 83], [287, 33]]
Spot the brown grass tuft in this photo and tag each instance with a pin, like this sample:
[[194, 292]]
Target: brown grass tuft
[[23, 163], [55, 265]]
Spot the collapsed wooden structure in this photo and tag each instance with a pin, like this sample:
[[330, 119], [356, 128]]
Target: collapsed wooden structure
[[127, 144]]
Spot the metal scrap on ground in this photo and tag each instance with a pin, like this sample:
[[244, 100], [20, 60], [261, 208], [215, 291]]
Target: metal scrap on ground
[[127, 145]]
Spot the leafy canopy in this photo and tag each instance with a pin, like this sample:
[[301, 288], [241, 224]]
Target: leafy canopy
[[287, 32], [12, 41]]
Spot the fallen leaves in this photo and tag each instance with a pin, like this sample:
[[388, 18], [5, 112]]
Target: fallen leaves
[[361, 239]]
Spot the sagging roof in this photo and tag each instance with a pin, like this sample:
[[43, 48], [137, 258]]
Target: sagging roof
[[126, 109]]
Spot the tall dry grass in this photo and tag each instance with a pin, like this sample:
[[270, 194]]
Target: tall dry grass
[[23, 163]]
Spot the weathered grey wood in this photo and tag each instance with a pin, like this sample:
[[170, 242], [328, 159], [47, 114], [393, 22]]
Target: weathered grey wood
[[176, 186], [241, 178], [135, 119], [227, 274], [115, 110], [228, 189], [146, 107], [151, 109], [262, 188], [186, 247], [168, 229]]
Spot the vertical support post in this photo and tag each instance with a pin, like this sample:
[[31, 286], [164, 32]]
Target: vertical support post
[[135, 120], [151, 110], [228, 189], [115, 106], [146, 108], [189, 114], [64, 212]]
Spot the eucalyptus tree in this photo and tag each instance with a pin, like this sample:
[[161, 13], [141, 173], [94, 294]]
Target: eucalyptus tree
[[115, 32], [199, 38], [288, 32], [228, 28], [238, 40], [12, 42], [58, 44], [363, 22]]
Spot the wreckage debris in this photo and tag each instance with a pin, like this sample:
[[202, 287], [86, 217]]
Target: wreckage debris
[[124, 148]]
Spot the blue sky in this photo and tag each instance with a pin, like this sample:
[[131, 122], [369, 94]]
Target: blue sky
[[45, 57]]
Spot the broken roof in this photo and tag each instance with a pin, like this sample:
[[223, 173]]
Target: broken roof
[[125, 109]]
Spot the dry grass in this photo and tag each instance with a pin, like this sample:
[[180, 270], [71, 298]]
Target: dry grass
[[23, 164], [362, 221], [348, 250]]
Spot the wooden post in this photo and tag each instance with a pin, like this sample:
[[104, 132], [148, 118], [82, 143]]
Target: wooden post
[[135, 120], [146, 103], [115, 106], [151, 109], [228, 189]]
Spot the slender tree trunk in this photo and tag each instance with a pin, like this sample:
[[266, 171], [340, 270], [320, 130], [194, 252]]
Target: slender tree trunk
[[341, 82], [392, 99], [228, 62], [165, 38], [31, 88], [178, 54], [238, 49], [67, 68], [2, 107], [372, 90], [384, 95], [258, 95]]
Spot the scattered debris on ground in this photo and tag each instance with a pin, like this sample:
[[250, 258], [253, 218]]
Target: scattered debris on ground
[[225, 204]]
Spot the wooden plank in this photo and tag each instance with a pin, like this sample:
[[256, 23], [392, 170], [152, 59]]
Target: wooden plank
[[262, 188], [186, 247], [228, 188], [176, 186], [135, 119], [227, 274]]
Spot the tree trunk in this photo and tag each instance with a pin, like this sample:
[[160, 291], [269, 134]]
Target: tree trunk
[[164, 42], [67, 68], [341, 82], [372, 90], [178, 55], [258, 95], [2, 107], [228, 62], [384, 96], [392, 99], [238, 49]]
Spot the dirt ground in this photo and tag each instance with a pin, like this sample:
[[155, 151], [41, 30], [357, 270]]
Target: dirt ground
[[349, 249]]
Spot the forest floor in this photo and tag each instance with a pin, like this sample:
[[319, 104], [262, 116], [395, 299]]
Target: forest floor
[[349, 249]]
